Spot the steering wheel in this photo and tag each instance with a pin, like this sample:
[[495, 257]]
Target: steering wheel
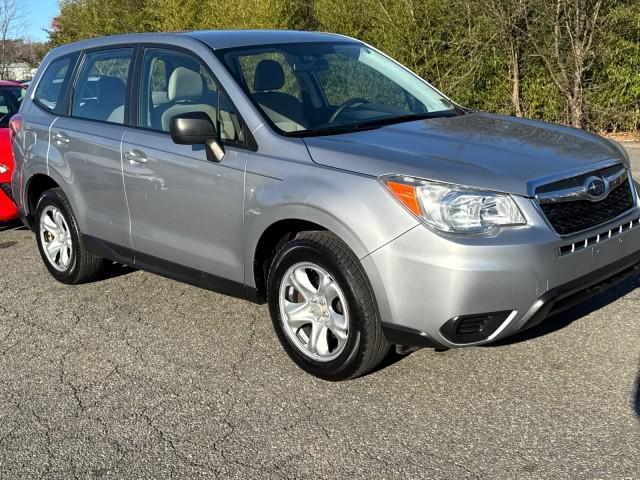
[[349, 103]]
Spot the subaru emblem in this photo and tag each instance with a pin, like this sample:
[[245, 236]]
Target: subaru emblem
[[596, 188]]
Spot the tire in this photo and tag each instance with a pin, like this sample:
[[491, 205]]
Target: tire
[[349, 308], [73, 264]]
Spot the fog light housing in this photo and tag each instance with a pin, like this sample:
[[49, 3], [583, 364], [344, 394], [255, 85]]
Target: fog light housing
[[474, 328]]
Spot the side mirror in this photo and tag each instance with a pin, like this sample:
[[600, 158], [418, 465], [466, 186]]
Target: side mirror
[[196, 128]]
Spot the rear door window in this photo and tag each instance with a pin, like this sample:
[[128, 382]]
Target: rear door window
[[101, 89], [53, 85]]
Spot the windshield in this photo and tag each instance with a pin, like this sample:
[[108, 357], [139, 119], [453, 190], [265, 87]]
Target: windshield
[[323, 88]]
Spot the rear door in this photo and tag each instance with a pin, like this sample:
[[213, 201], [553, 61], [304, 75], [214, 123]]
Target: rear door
[[31, 146], [86, 144], [186, 212]]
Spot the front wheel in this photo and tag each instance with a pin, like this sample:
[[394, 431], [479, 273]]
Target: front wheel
[[323, 309]]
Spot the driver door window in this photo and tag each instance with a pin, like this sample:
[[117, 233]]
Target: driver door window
[[249, 66], [173, 83], [272, 83]]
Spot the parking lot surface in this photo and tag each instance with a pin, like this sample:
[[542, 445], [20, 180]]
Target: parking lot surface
[[136, 376]]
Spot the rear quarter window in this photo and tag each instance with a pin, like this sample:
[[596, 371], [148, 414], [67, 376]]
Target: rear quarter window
[[53, 85]]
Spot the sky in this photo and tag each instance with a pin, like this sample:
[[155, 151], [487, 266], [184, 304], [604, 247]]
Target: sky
[[38, 15]]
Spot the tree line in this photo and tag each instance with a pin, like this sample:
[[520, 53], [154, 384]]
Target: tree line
[[569, 61]]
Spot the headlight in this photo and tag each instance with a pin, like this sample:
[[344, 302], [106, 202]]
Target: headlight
[[453, 208], [3, 169]]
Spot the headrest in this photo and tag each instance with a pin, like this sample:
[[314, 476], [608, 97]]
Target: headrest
[[110, 90], [185, 84], [269, 76]]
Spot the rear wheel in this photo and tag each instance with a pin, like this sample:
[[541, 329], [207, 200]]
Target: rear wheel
[[323, 309], [60, 242]]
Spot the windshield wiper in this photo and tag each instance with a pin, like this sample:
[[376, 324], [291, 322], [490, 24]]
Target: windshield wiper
[[372, 124], [381, 122]]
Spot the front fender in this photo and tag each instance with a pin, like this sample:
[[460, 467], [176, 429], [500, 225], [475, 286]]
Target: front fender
[[354, 207]]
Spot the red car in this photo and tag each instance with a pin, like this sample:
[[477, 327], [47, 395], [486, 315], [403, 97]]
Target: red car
[[11, 94]]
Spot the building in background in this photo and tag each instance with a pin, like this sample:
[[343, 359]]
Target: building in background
[[19, 59], [19, 71]]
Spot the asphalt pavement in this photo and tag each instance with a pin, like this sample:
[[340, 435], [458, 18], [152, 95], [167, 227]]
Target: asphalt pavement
[[136, 376]]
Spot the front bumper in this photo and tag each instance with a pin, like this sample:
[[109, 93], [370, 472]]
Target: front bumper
[[8, 210], [447, 292]]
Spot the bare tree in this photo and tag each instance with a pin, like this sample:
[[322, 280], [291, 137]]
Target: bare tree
[[12, 20], [574, 25], [510, 17]]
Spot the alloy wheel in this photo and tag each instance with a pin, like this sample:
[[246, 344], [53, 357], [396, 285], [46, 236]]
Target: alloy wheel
[[55, 236], [314, 311]]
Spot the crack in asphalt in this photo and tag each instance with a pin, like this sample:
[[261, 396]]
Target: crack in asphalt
[[167, 439], [66, 382], [219, 445], [50, 455]]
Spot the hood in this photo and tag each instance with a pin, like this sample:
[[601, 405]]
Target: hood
[[482, 150]]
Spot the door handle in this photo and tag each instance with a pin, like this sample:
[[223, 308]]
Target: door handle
[[135, 156], [61, 138]]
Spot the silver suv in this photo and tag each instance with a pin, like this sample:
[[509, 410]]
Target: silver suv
[[313, 172]]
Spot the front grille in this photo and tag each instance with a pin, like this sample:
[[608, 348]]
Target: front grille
[[599, 238], [572, 217]]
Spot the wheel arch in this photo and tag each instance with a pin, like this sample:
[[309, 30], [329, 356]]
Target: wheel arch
[[37, 184], [279, 231]]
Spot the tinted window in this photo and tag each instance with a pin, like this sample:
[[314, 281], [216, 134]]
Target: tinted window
[[175, 83], [10, 98], [53, 84], [101, 88]]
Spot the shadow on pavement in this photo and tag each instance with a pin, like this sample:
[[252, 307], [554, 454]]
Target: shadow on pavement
[[113, 270], [13, 225], [391, 358], [560, 321], [563, 319]]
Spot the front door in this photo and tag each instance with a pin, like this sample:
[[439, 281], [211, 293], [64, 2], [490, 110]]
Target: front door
[[186, 211]]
